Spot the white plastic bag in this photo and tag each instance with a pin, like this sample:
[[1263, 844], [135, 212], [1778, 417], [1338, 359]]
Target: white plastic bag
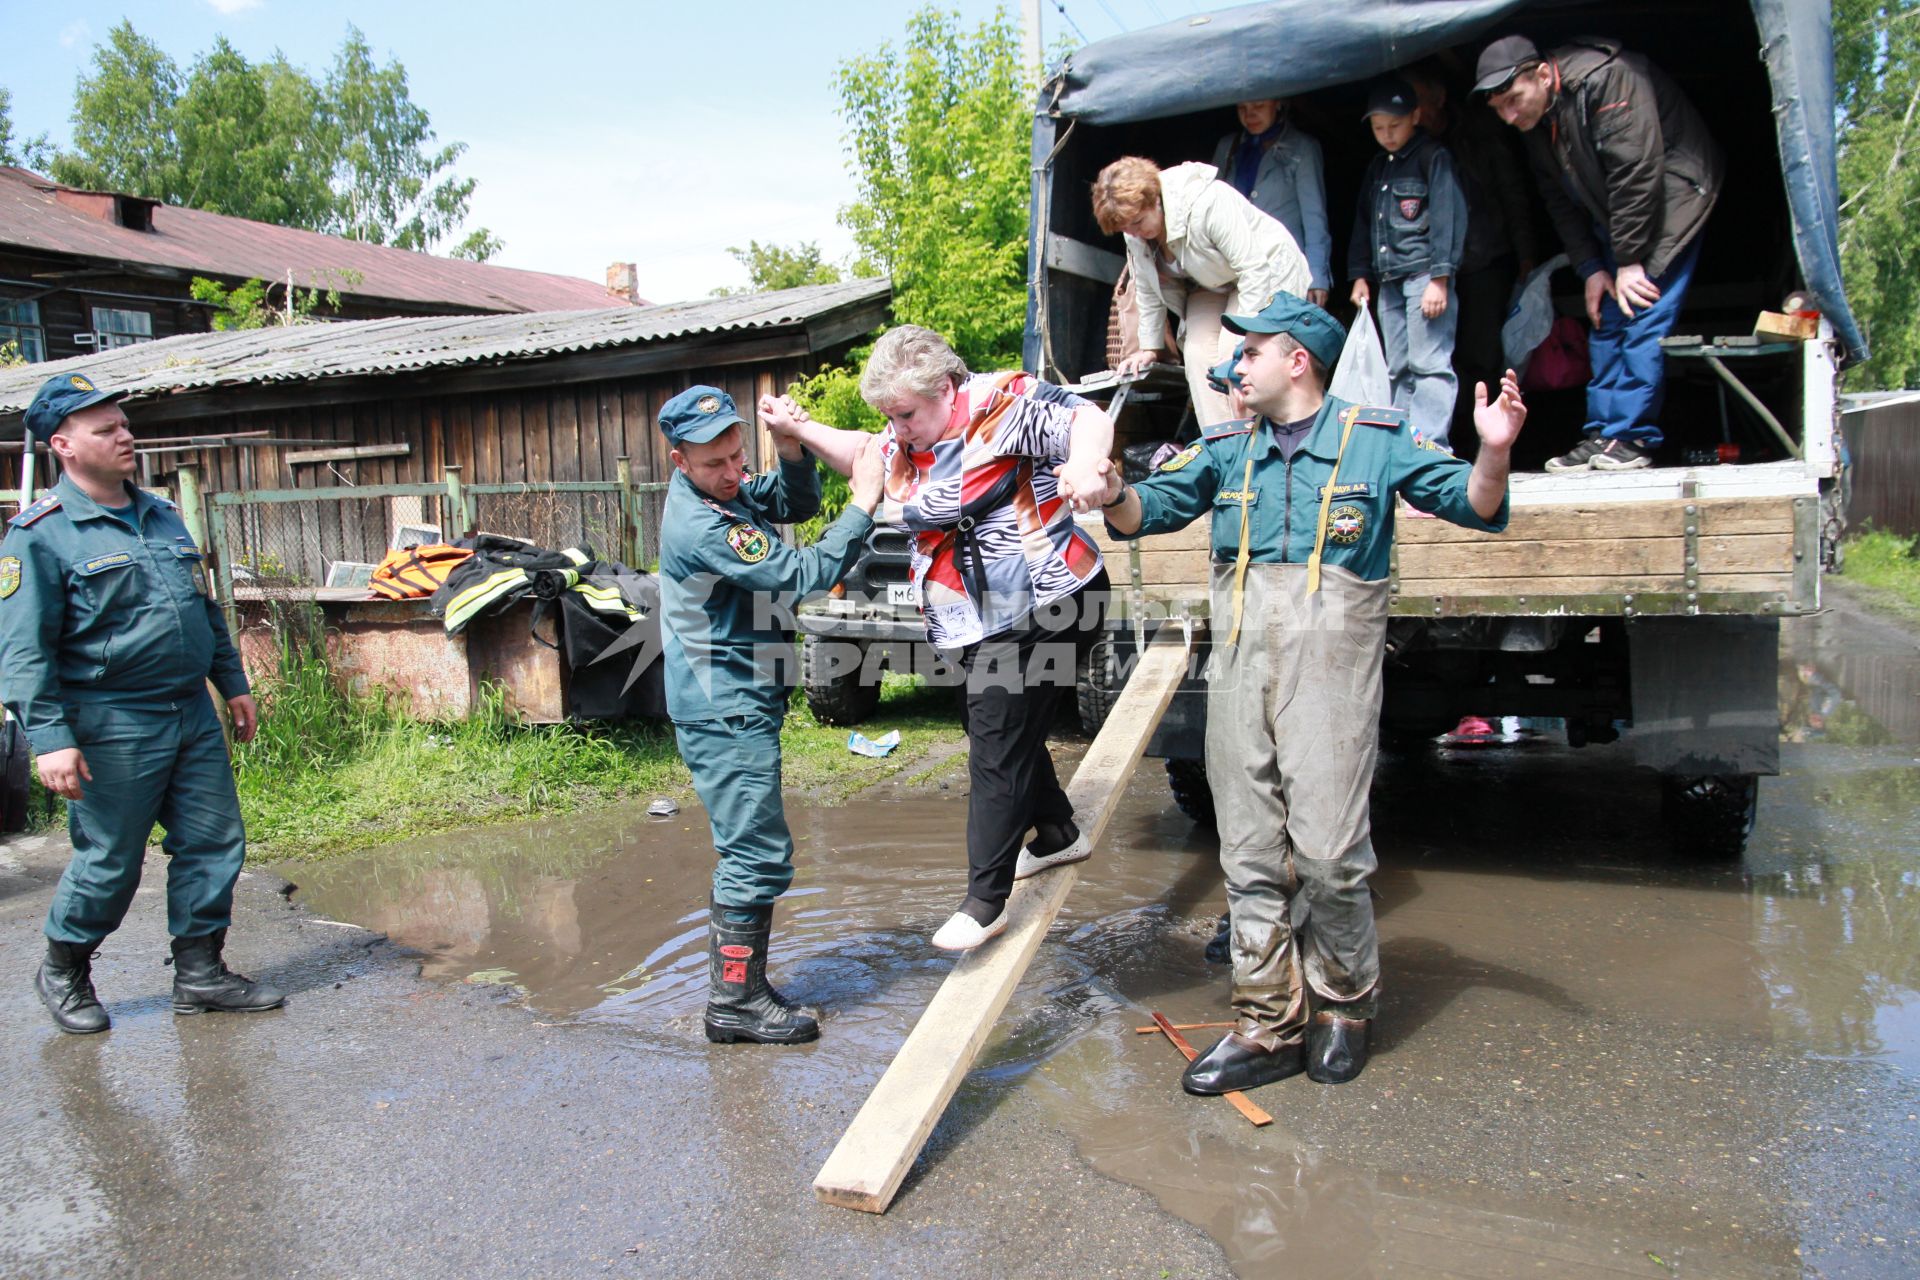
[[1531, 315], [1361, 376]]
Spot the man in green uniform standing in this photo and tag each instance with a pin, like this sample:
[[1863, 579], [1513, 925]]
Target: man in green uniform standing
[[108, 636], [1302, 497], [728, 586]]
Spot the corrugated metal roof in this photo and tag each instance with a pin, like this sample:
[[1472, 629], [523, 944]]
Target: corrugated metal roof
[[194, 241], [306, 353]]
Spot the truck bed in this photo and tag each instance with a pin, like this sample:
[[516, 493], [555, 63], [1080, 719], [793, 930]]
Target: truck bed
[[1677, 541]]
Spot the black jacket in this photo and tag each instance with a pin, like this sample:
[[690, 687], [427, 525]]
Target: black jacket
[[1411, 216], [1622, 154]]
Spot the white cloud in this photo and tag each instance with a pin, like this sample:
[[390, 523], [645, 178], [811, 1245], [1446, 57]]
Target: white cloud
[[230, 7], [75, 33], [670, 201]]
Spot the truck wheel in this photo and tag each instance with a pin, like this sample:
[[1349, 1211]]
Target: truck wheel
[[1187, 779], [835, 697], [1710, 816], [1098, 687], [16, 779]]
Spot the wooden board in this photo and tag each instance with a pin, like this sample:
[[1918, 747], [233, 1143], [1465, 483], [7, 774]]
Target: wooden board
[[879, 1147]]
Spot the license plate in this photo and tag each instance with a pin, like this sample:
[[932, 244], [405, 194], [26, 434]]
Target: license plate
[[903, 593]]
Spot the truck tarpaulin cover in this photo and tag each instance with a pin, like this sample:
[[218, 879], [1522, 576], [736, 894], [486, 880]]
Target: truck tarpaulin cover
[[1297, 46]]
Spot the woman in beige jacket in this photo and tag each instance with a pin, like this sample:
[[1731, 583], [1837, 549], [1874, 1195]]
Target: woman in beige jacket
[[1198, 250]]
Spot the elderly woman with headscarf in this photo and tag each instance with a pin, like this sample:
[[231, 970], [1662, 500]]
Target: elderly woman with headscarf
[[987, 471], [1198, 250]]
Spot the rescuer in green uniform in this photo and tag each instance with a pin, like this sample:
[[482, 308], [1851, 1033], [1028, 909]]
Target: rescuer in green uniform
[[108, 636], [1302, 497], [728, 586]]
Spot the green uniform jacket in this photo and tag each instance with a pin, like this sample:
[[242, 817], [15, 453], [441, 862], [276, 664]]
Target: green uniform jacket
[[92, 611], [1383, 457], [728, 587]]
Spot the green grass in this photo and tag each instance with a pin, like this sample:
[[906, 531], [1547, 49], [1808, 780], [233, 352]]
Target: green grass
[[1886, 568], [329, 773]]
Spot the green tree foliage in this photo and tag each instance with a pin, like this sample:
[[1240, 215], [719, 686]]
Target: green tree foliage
[[253, 305], [1877, 74], [775, 266], [938, 133], [34, 153], [351, 154]]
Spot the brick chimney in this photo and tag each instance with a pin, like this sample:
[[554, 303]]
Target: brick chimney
[[623, 282]]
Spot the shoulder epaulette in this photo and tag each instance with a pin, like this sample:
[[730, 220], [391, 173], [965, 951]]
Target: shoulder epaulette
[[47, 502], [1224, 430], [1370, 415]]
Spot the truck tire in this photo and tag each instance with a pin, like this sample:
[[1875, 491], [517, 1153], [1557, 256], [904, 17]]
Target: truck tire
[[1187, 779], [15, 779], [1097, 687], [839, 698], [1710, 817]]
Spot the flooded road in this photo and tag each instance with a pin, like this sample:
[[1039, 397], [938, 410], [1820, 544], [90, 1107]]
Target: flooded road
[[1595, 1056]]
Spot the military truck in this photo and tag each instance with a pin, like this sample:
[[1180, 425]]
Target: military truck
[[1641, 606]]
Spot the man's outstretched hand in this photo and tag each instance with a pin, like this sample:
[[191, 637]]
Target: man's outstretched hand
[[1499, 422]]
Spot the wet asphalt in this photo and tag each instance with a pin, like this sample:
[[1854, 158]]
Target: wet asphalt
[[1597, 1055]]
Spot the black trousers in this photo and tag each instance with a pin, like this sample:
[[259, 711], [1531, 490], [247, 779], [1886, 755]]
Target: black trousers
[[1013, 683], [1482, 297]]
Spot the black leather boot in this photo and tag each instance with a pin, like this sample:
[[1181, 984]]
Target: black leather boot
[[1220, 946], [65, 984], [1236, 1062], [1336, 1047], [741, 1003], [202, 982]]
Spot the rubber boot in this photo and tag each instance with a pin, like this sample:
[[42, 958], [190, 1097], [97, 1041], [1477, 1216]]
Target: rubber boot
[[65, 984], [202, 983], [741, 1003], [1220, 945]]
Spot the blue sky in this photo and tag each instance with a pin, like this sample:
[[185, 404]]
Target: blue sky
[[649, 132]]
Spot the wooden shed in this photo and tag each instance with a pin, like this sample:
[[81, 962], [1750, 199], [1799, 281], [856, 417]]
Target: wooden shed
[[528, 400]]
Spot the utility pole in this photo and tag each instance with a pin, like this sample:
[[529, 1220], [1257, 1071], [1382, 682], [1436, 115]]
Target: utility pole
[[1030, 24]]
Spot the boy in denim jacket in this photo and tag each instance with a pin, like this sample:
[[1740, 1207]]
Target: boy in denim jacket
[[1408, 232]]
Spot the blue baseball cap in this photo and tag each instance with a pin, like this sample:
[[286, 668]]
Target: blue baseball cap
[[1306, 324], [1222, 377], [60, 395], [697, 415]]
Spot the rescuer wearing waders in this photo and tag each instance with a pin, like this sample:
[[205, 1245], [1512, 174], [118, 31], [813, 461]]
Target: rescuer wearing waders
[[1302, 497], [728, 586], [108, 636]]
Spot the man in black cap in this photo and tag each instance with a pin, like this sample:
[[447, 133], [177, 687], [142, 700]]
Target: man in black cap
[[109, 634], [1303, 498], [1629, 174]]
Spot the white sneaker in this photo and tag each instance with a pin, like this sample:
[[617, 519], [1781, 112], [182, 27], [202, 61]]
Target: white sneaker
[[964, 933], [1031, 865]]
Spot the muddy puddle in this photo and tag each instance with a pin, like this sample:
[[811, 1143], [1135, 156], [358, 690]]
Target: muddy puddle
[[1593, 1057]]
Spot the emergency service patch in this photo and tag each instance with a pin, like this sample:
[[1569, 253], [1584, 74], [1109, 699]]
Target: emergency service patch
[[200, 582], [1182, 458], [9, 575], [1237, 495], [79, 383], [1358, 489], [1410, 209], [108, 561], [749, 543], [1346, 524], [1421, 441]]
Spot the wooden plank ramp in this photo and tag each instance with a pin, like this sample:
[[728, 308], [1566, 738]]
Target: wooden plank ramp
[[879, 1147]]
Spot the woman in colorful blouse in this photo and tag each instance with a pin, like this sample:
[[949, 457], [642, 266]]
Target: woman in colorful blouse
[[984, 469]]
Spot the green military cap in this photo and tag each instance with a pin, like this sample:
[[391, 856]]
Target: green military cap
[[60, 395], [1306, 324], [1222, 377], [697, 415]]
